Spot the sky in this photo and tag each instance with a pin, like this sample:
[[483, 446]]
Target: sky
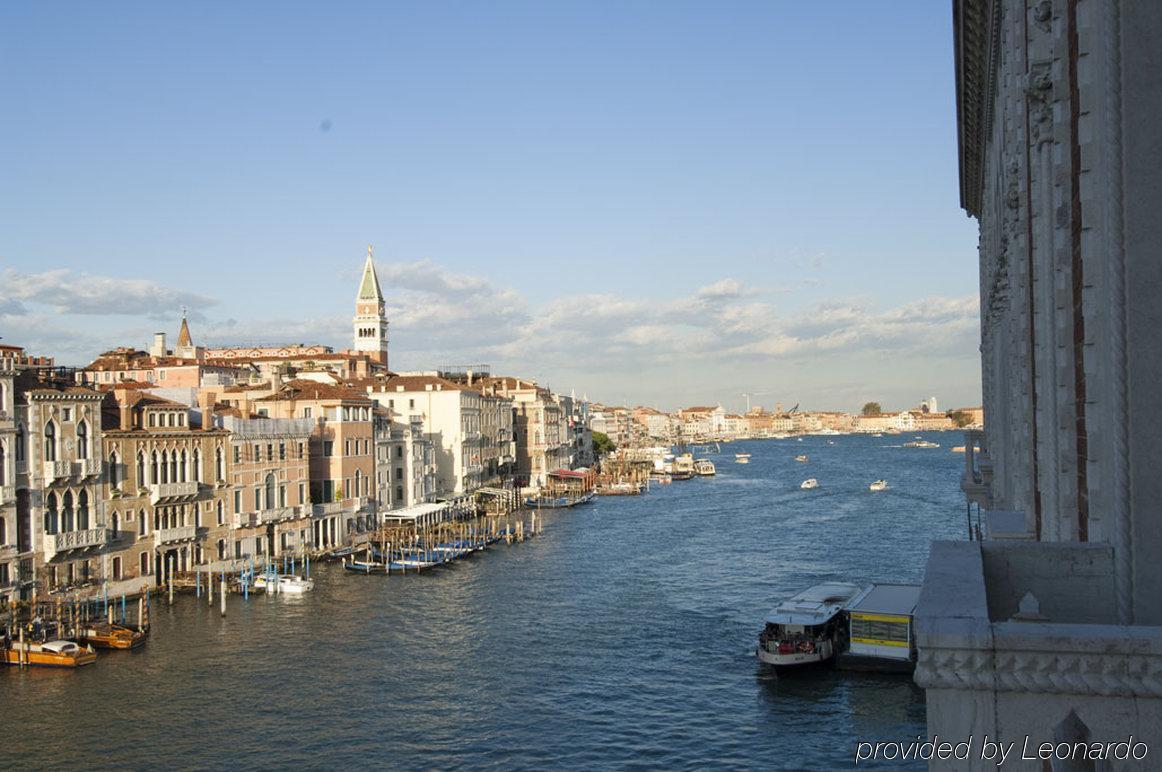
[[664, 203]]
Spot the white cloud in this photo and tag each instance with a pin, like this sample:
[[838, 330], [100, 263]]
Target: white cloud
[[67, 292]]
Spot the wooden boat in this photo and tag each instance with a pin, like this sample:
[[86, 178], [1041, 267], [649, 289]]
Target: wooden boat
[[107, 636], [50, 654], [558, 502], [365, 566]]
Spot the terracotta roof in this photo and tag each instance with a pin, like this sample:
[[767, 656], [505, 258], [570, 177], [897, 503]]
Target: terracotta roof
[[303, 389], [416, 383]]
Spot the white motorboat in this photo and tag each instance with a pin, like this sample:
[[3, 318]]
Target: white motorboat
[[801, 459], [809, 483], [806, 628], [921, 444], [704, 468], [742, 458], [283, 583], [878, 485]]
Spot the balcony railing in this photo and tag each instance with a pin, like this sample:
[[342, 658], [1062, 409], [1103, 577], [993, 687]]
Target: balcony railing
[[90, 467], [7, 493], [174, 491], [57, 470], [328, 508], [74, 540], [278, 515], [175, 535]]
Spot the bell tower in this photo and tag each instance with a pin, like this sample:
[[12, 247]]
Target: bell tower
[[370, 322]]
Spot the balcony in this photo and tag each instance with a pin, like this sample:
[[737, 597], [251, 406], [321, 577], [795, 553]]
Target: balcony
[[181, 533], [89, 538], [172, 492], [7, 494], [279, 515], [57, 470], [329, 508], [91, 467]]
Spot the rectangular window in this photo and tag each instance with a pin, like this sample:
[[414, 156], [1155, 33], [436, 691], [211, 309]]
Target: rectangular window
[[302, 494], [258, 498], [269, 452], [399, 451], [281, 451], [328, 448], [300, 450], [237, 549], [282, 495], [237, 501], [116, 568], [237, 454], [306, 412]]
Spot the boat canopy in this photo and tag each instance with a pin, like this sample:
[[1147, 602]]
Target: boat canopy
[[574, 474], [815, 605], [891, 599]]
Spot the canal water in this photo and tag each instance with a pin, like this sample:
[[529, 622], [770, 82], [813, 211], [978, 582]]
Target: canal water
[[620, 637]]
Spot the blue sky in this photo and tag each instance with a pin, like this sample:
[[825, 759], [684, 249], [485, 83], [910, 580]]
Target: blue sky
[[661, 202]]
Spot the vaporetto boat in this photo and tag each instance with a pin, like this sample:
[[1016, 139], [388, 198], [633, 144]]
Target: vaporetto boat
[[806, 627]]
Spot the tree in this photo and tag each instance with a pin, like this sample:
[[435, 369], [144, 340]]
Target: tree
[[871, 408], [960, 418], [602, 444]]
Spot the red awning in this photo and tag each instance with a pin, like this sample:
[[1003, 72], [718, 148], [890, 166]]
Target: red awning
[[567, 473]]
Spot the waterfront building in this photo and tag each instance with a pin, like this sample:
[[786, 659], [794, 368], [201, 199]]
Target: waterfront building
[[269, 512], [60, 434], [656, 424], [11, 444], [1051, 627], [540, 427], [342, 458], [164, 489], [450, 414]]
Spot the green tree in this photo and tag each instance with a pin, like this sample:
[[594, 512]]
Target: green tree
[[871, 408], [602, 444], [960, 418]]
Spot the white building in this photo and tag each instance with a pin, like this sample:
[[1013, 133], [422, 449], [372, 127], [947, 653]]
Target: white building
[[450, 416], [1051, 627]]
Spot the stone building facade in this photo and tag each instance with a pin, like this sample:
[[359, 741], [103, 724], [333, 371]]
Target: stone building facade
[[1052, 626]]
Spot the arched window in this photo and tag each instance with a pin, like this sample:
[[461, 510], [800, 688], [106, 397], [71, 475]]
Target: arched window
[[173, 466], [270, 491], [182, 467], [114, 470], [50, 514], [143, 524], [2, 464], [83, 511], [19, 443], [67, 512], [164, 467], [197, 465], [153, 468], [221, 514], [50, 441], [83, 439], [219, 470], [141, 469], [116, 523]]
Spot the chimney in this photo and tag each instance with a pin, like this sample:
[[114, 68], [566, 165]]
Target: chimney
[[158, 349], [121, 396], [206, 400]]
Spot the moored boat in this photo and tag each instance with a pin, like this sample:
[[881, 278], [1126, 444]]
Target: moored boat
[[49, 654], [807, 627], [107, 636], [283, 583]]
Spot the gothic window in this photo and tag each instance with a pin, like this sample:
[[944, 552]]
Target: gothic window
[[173, 466], [197, 465], [270, 491], [19, 443], [183, 467], [221, 516], [83, 440], [218, 467], [114, 471], [116, 523], [140, 469], [2, 466], [50, 514], [83, 511], [50, 441], [67, 512]]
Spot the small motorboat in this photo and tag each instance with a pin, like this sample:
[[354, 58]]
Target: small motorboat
[[921, 444], [283, 583], [801, 459], [108, 636], [809, 483], [878, 485], [49, 654], [742, 458]]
